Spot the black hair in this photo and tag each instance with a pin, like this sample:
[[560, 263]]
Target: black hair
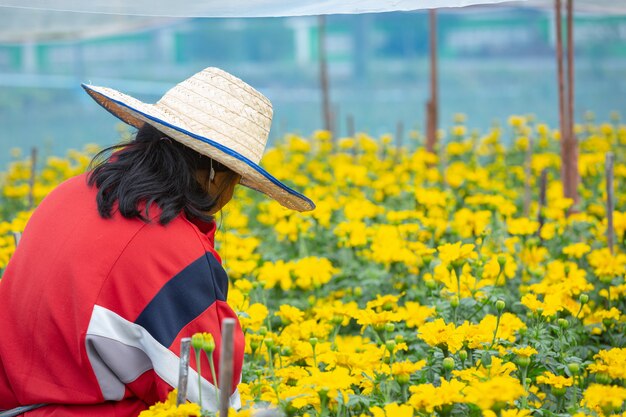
[[153, 169]]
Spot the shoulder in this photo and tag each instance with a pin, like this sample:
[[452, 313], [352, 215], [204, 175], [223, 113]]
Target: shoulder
[[157, 256]]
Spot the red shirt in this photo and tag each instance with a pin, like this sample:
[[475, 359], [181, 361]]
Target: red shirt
[[93, 309]]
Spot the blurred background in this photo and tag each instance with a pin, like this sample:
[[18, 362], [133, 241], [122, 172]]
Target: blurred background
[[494, 61]]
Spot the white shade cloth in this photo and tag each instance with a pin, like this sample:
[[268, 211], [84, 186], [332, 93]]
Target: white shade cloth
[[238, 8]]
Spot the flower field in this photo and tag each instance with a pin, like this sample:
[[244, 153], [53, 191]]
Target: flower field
[[423, 284]]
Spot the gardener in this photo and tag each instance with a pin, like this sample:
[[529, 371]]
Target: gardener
[[117, 265]]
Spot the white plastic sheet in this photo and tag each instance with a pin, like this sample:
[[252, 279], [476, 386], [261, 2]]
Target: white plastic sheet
[[237, 8]]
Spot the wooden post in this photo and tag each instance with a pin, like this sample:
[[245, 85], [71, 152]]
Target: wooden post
[[433, 103], [226, 364], [399, 139], [17, 236], [183, 371], [610, 200], [33, 174], [324, 73], [543, 185], [350, 125], [561, 89], [572, 142], [527, 175]]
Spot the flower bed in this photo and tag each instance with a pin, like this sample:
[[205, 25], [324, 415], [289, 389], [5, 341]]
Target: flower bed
[[418, 286]]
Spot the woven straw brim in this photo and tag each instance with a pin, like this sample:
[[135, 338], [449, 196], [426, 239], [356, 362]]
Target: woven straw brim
[[135, 113]]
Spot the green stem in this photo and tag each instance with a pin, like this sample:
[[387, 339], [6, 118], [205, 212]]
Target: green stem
[[212, 365], [495, 332], [197, 352]]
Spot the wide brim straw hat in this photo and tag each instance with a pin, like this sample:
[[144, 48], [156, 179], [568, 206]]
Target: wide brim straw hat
[[217, 115]]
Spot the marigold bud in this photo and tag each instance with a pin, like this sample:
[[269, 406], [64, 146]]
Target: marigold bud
[[390, 345], [448, 363], [523, 361], [208, 343], [583, 298], [454, 302], [403, 379], [269, 343], [558, 391], [500, 305], [563, 323], [463, 355], [196, 341], [574, 368], [286, 351], [389, 327], [313, 341], [603, 378], [501, 260], [263, 330], [431, 285]]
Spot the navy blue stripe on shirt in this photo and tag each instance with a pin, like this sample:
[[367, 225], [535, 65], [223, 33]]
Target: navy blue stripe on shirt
[[183, 298]]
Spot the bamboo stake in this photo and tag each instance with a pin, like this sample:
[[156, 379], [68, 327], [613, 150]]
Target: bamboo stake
[[33, 173], [527, 174], [226, 364], [433, 104], [183, 371], [324, 73], [610, 200]]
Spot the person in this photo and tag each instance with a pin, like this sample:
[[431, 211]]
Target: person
[[116, 265]]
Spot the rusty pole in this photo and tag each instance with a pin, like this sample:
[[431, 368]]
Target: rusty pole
[[326, 111], [572, 142], [433, 104]]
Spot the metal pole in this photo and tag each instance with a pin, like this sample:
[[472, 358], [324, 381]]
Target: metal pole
[[226, 364], [183, 371], [17, 236], [324, 73], [610, 201]]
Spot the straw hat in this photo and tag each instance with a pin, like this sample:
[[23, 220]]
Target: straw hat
[[217, 115]]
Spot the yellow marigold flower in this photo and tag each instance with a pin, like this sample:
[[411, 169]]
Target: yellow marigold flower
[[414, 314], [524, 352], [273, 273], [611, 362], [576, 250], [313, 272], [392, 410], [604, 398], [556, 381], [289, 314], [427, 397], [170, 409], [494, 393], [522, 226], [438, 333], [407, 367], [508, 413], [456, 252], [253, 317]]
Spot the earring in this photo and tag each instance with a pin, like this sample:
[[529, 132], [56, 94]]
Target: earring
[[212, 172]]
